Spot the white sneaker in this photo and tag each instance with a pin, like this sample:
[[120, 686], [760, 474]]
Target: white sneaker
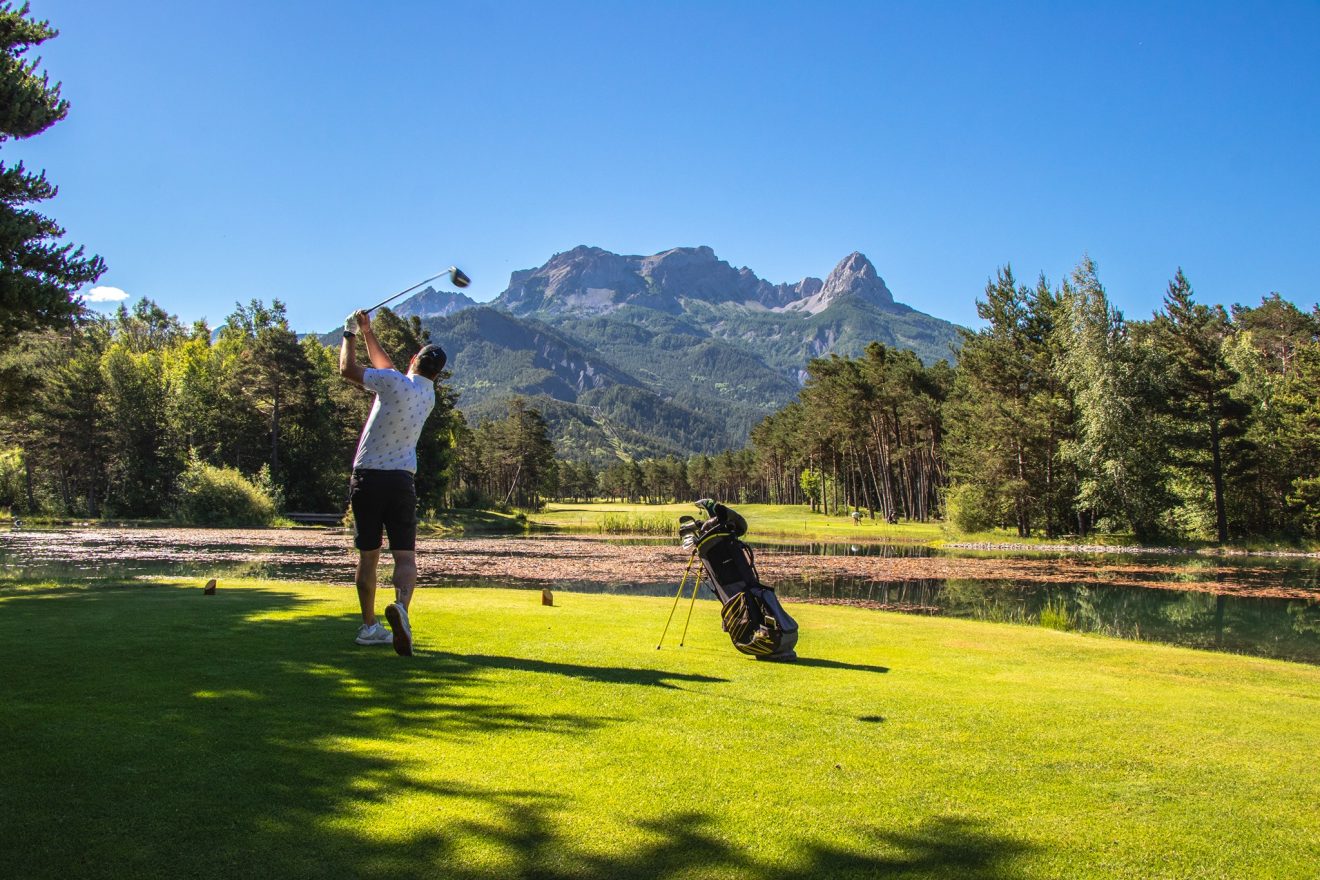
[[373, 634], [397, 615]]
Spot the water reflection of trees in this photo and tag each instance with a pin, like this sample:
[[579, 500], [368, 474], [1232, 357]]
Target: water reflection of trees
[[1283, 628]]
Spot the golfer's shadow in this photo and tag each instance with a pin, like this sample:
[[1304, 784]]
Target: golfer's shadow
[[837, 664], [607, 674]]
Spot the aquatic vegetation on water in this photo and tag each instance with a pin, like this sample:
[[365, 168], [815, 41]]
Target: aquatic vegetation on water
[[637, 524], [1055, 615]]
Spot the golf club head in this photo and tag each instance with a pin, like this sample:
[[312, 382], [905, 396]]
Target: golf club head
[[458, 278]]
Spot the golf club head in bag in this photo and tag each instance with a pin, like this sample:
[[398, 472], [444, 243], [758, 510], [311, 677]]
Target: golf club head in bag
[[753, 617]]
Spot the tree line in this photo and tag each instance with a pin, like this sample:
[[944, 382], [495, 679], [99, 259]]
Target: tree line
[[101, 418], [1062, 417]]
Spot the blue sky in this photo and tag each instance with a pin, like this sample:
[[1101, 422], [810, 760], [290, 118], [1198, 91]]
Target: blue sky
[[330, 153]]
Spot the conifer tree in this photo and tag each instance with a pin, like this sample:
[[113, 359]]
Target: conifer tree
[[38, 276], [1210, 422], [1009, 411]]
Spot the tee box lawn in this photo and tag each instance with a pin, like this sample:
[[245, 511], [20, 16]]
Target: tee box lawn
[[150, 731]]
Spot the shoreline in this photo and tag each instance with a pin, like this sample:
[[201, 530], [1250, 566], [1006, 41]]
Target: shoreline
[[1126, 549]]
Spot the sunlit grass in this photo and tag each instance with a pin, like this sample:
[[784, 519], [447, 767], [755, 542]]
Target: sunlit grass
[[149, 731]]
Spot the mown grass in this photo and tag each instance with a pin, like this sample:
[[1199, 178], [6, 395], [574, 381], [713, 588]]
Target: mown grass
[[149, 731]]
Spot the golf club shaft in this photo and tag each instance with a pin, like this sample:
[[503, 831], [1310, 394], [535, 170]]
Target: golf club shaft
[[405, 290]]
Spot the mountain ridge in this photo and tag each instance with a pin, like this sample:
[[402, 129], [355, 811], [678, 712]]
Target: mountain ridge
[[676, 352]]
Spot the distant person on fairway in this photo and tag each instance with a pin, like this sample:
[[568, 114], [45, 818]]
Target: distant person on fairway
[[381, 491]]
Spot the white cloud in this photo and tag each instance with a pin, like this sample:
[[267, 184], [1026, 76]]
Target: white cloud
[[105, 295]]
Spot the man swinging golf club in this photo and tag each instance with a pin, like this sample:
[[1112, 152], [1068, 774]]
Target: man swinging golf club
[[381, 492]]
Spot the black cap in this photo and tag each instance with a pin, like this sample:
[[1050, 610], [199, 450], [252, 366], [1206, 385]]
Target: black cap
[[431, 360]]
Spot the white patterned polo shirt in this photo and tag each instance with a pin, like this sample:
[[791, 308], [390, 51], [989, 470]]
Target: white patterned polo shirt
[[389, 439]]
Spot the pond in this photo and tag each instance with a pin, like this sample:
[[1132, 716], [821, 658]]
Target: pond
[[1254, 605]]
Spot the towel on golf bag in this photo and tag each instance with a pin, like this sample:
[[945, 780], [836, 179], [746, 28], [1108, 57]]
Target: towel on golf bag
[[753, 617]]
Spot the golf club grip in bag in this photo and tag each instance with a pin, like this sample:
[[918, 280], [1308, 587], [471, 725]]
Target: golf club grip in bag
[[753, 617]]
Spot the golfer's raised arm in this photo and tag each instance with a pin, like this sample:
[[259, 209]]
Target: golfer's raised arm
[[379, 359], [349, 368]]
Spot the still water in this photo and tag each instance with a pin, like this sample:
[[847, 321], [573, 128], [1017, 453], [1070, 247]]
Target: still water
[[1285, 628]]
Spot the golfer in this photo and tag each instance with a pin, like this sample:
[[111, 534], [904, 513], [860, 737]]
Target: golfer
[[381, 492]]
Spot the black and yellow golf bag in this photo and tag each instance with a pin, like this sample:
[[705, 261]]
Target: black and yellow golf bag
[[753, 617]]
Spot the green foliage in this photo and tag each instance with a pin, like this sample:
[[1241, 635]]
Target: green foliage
[[13, 482], [141, 463], [221, 496], [511, 460], [108, 414], [62, 425], [1118, 446], [1010, 414], [1280, 368], [1208, 421], [971, 508], [810, 483], [1305, 496]]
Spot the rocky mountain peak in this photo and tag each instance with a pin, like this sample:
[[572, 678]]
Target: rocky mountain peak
[[434, 303], [856, 276], [592, 280]]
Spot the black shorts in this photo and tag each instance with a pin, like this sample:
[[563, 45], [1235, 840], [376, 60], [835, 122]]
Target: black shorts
[[383, 499]]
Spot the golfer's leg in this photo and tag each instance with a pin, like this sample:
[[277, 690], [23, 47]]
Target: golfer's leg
[[366, 583], [405, 575]]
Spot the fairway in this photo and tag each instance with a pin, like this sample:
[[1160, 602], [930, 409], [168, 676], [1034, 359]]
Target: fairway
[[149, 731]]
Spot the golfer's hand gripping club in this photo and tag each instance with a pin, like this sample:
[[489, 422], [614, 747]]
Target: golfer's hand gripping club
[[356, 322]]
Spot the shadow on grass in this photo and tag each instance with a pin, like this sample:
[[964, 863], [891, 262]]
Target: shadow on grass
[[605, 674], [821, 663], [520, 825], [151, 732]]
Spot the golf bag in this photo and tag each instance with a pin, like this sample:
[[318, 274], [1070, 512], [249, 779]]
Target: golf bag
[[753, 617]]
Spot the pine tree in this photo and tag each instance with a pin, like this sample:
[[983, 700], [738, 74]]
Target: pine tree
[[38, 276], [1210, 421], [1009, 412], [1273, 342]]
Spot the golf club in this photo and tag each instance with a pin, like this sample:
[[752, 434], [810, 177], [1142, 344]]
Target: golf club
[[456, 277]]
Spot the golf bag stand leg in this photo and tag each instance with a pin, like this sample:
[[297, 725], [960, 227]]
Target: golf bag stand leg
[[682, 582]]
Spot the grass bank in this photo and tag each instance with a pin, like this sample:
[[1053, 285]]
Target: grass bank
[[766, 520], [149, 731], [464, 521], [791, 521]]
